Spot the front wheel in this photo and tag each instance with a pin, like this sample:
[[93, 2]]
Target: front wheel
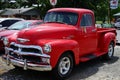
[[64, 66], [110, 52]]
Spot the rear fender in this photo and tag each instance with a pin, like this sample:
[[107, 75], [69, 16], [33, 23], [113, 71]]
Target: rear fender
[[108, 37]]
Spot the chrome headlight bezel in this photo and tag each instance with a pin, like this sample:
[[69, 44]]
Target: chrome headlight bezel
[[47, 48], [5, 41]]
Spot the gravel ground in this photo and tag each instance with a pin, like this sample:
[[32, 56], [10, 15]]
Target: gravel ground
[[96, 69]]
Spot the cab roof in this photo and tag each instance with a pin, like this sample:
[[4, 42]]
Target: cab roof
[[76, 10]]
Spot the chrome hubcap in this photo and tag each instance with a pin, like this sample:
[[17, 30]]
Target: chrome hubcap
[[110, 51], [64, 65]]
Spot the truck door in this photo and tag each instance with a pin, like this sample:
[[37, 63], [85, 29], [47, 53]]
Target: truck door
[[88, 41]]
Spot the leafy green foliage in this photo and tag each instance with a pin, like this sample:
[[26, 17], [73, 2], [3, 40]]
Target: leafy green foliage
[[100, 7]]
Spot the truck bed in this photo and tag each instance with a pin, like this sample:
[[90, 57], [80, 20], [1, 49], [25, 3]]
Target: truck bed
[[104, 30], [101, 32]]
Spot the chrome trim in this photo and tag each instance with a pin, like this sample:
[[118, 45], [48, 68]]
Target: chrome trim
[[31, 66], [23, 62], [24, 53], [21, 40], [27, 46]]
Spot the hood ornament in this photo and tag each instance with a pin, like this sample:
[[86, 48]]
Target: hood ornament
[[21, 40]]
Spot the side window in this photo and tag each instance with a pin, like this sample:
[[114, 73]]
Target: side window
[[8, 23], [86, 20], [13, 21], [5, 23], [89, 20]]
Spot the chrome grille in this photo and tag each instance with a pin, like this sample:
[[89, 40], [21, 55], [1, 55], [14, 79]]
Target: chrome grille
[[25, 48], [33, 50], [14, 47], [29, 52], [14, 55], [34, 59]]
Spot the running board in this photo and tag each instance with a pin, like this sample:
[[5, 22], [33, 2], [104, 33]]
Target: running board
[[91, 56], [87, 57]]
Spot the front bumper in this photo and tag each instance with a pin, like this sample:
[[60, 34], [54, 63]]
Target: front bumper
[[27, 56], [26, 65]]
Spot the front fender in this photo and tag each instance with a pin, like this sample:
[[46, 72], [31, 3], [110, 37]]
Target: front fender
[[61, 46], [108, 37]]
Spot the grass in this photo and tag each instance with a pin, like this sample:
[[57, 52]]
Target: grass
[[98, 22]]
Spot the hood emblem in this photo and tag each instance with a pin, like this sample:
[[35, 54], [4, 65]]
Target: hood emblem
[[21, 40]]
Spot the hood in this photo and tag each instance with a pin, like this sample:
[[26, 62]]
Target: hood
[[7, 32], [47, 31]]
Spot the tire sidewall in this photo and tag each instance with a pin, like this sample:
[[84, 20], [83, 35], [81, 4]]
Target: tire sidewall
[[108, 56], [57, 73]]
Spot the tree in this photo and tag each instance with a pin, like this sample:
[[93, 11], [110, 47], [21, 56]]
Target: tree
[[100, 7]]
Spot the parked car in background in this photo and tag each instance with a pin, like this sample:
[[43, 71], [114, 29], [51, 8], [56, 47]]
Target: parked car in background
[[14, 28], [6, 22], [107, 25], [117, 23]]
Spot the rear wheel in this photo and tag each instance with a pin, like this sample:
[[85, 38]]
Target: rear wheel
[[64, 66], [110, 52]]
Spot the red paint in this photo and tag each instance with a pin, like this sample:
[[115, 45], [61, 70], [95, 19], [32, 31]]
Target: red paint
[[73, 38]]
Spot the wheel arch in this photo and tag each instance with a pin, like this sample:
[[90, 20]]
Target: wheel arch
[[69, 52], [108, 38]]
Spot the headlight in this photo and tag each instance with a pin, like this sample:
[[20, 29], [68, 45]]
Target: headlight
[[47, 48], [5, 41]]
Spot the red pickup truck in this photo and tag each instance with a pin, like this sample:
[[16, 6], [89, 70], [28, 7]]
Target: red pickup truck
[[67, 37]]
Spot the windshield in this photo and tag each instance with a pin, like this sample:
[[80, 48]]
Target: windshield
[[20, 25], [62, 17]]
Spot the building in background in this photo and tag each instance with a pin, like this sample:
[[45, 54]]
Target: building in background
[[26, 13]]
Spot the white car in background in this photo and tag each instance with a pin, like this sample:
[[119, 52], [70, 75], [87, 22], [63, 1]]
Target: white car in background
[[6, 22], [117, 23]]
